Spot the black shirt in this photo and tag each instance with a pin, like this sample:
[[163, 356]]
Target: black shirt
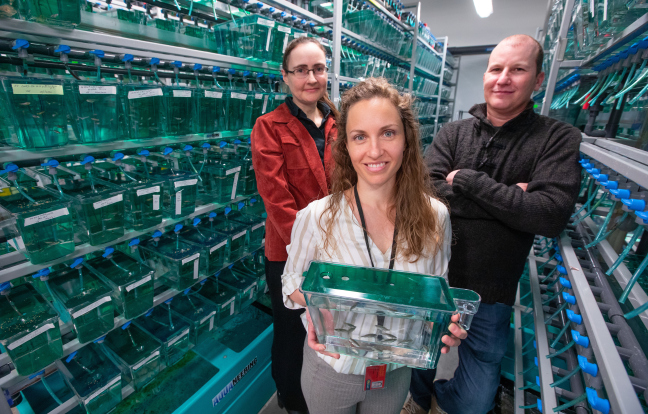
[[316, 132]]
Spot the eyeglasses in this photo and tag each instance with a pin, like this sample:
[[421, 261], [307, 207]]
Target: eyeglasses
[[302, 73]]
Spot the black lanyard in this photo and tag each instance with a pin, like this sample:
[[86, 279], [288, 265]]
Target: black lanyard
[[366, 235]]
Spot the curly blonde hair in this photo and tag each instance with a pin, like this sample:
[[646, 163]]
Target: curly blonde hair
[[420, 234]]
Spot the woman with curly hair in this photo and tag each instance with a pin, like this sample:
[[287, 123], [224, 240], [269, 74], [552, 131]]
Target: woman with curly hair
[[381, 213]]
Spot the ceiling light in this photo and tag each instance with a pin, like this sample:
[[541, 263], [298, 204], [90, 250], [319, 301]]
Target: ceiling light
[[484, 8]]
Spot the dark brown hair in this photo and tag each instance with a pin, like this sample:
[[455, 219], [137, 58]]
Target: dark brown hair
[[284, 64], [420, 232]]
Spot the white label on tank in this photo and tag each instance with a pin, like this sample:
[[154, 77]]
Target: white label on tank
[[218, 246], [50, 215], [280, 96], [178, 203], [285, 43], [236, 176], [258, 225], [145, 191], [97, 90], [266, 288], [258, 96], [36, 89], [265, 104], [30, 336], [324, 42], [144, 93], [232, 305], [196, 269], [190, 258], [237, 95], [153, 355], [251, 168], [223, 7], [283, 29], [181, 94], [156, 202], [267, 48], [203, 320], [233, 170], [211, 323], [252, 290], [92, 306], [108, 201], [185, 183], [236, 236], [265, 22], [212, 94], [138, 284], [298, 35], [179, 337], [102, 389]]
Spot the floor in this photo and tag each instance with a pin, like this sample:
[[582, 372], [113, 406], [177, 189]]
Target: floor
[[445, 370]]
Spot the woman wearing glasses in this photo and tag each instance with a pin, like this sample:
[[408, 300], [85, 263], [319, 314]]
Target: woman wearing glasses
[[291, 153]]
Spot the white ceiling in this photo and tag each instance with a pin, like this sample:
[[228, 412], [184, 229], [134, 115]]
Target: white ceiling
[[458, 20]]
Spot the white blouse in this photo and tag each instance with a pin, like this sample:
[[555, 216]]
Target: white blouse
[[307, 240]]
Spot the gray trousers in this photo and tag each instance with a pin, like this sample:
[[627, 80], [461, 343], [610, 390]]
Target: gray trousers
[[328, 392]]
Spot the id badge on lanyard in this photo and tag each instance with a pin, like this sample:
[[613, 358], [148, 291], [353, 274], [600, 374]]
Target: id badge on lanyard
[[375, 374]]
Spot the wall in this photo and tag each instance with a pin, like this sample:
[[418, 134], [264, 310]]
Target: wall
[[458, 20], [469, 88]]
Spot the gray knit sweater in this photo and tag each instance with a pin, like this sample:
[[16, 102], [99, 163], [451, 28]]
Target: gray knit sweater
[[493, 220]]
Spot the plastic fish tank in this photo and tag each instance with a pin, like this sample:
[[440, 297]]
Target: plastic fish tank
[[136, 353], [249, 37], [131, 282], [260, 105], [46, 224], [98, 114], [212, 104], [239, 105], [226, 299], [99, 209], [247, 184], [181, 110], [253, 266], [29, 329], [219, 180], [145, 109], [94, 378], [39, 112], [81, 297], [202, 313], [176, 261], [59, 12], [382, 315], [256, 225], [168, 328], [246, 286], [238, 234], [142, 199], [283, 35], [215, 246], [180, 190]]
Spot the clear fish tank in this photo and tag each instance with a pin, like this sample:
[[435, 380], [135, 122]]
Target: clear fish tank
[[131, 282], [98, 114], [29, 329], [39, 112], [254, 266], [135, 352], [238, 234], [82, 298], [145, 109], [180, 191], [239, 105], [181, 110], [43, 218], [212, 104], [202, 313], [176, 261], [249, 37], [98, 206], [168, 328], [219, 180], [256, 225], [94, 378], [246, 286], [142, 199], [247, 184], [58, 12], [382, 315], [215, 246], [226, 299]]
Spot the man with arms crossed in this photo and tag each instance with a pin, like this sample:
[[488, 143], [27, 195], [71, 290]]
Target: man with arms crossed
[[507, 174]]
